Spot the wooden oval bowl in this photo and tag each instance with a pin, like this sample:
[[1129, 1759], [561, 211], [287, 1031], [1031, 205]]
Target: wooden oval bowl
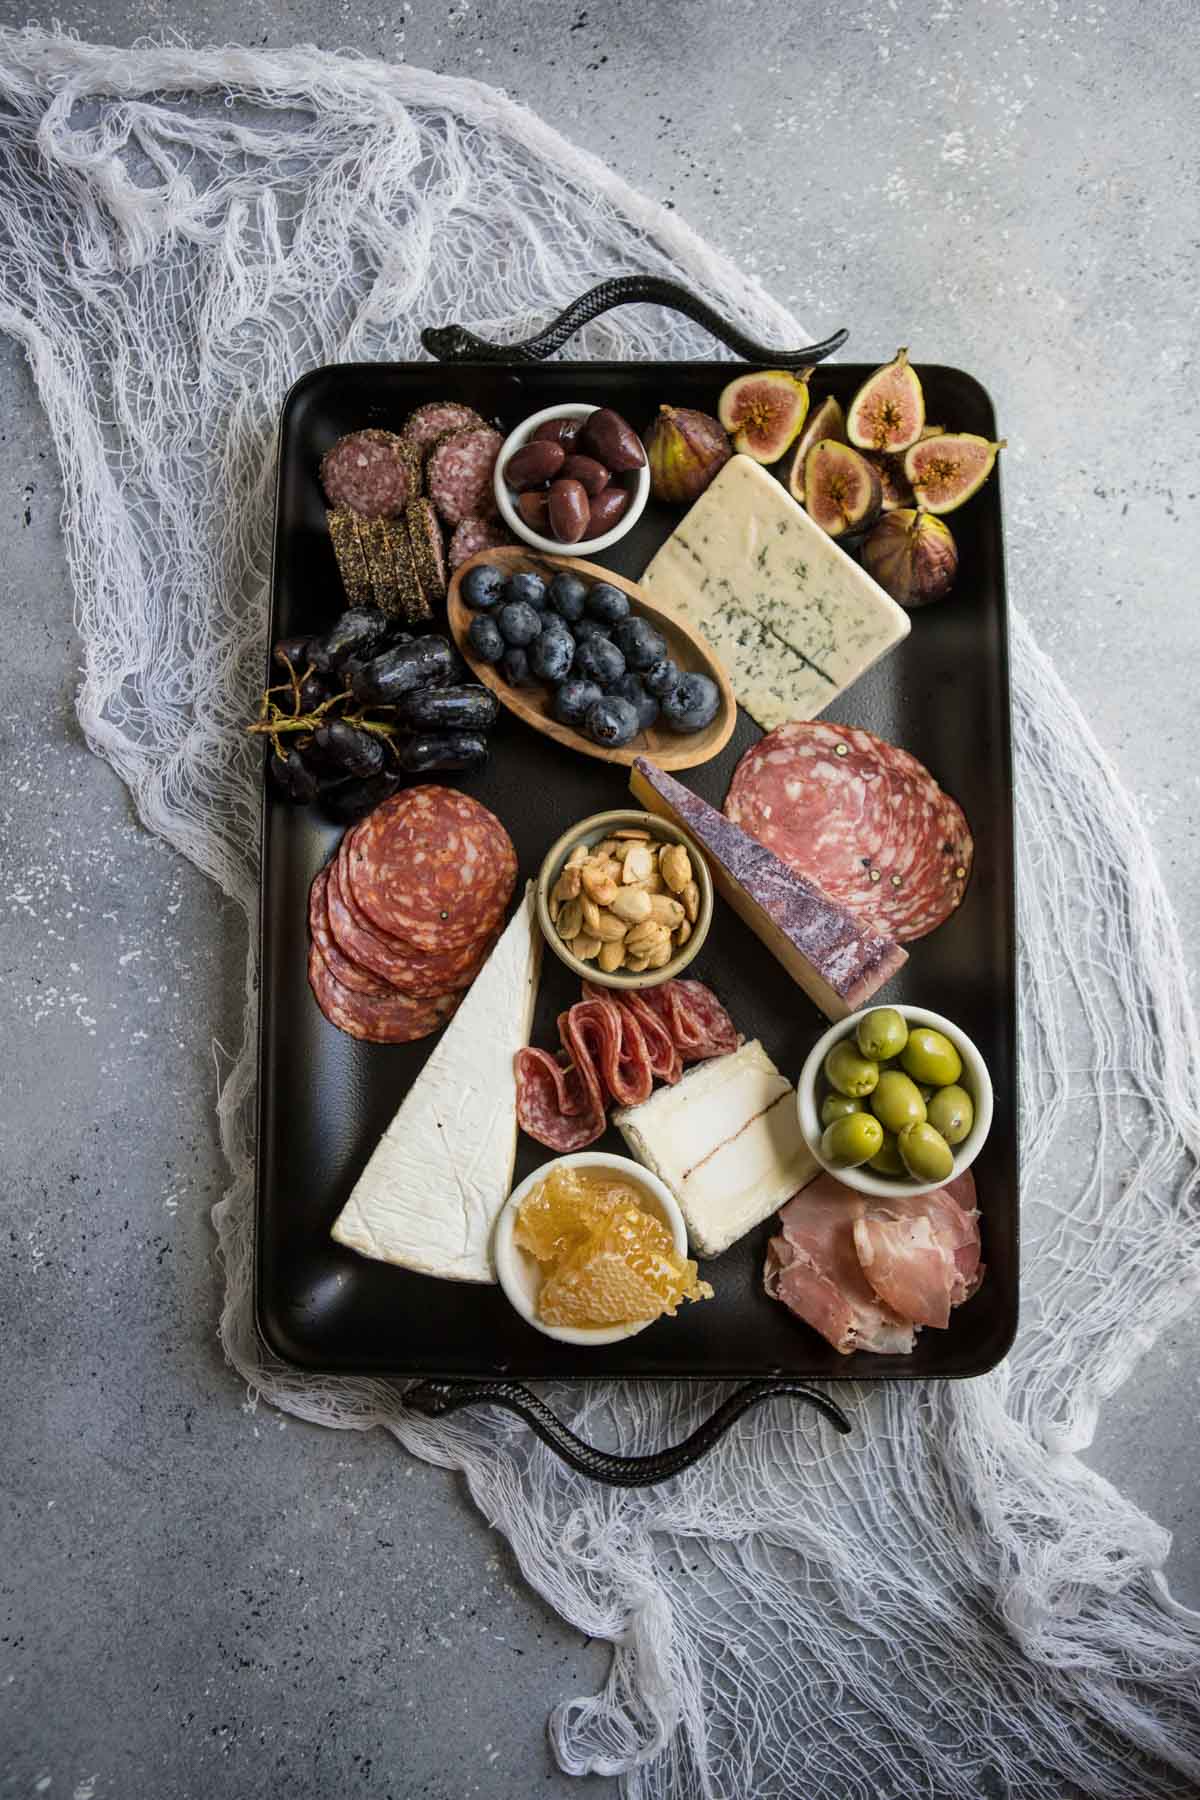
[[669, 749]]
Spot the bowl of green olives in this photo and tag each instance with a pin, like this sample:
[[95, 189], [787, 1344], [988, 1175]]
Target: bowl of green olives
[[895, 1099]]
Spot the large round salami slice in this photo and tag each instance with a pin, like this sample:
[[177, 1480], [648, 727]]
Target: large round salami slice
[[377, 1019], [438, 419], [861, 818], [351, 974], [433, 867], [368, 472], [418, 973], [474, 535], [459, 474]]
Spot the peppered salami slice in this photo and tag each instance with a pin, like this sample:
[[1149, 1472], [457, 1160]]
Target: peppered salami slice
[[377, 1019], [459, 474], [433, 867], [428, 549], [367, 471], [474, 535], [351, 974], [438, 419], [418, 973]]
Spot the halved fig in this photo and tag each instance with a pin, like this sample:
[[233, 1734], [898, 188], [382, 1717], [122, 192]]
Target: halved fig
[[828, 421], [844, 491], [888, 411], [944, 471], [762, 412]]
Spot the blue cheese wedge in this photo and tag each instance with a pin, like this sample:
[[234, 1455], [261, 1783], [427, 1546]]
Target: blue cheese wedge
[[442, 1171], [792, 617], [726, 1141]]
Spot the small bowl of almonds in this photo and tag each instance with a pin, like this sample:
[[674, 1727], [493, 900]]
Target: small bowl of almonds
[[625, 899]]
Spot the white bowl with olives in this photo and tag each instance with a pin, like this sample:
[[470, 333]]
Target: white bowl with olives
[[895, 1099]]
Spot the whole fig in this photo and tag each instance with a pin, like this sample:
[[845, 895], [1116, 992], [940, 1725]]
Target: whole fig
[[686, 448], [912, 555]]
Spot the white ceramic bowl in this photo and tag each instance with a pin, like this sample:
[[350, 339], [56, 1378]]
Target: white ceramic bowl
[[506, 500], [974, 1078], [520, 1275]]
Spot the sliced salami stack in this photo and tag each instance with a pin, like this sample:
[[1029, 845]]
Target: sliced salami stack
[[405, 914]]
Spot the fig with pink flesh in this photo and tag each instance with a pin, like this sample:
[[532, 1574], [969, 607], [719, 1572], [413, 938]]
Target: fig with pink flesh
[[828, 421], [686, 448], [843, 491], [888, 411], [763, 411], [944, 471], [912, 556]]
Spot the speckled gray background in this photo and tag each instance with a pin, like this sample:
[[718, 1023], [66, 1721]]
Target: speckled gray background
[[200, 1598]]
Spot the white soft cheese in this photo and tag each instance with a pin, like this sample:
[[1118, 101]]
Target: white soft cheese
[[727, 1142], [792, 617], [441, 1172]]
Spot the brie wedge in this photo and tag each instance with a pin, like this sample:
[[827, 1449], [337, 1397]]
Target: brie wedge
[[442, 1171], [727, 1142]]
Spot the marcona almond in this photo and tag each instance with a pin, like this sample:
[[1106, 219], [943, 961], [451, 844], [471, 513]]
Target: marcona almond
[[637, 965], [591, 914], [643, 939], [638, 864], [683, 933], [611, 957], [691, 901], [578, 854], [610, 929], [660, 957], [567, 885], [553, 904], [603, 890], [570, 919], [676, 867], [585, 946], [665, 911], [634, 832], [632, 904]]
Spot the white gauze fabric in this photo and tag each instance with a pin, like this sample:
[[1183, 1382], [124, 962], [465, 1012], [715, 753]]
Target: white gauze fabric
[[949, 1592]]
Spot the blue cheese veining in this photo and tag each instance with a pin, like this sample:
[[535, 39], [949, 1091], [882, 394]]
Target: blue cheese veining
[[792, 617]]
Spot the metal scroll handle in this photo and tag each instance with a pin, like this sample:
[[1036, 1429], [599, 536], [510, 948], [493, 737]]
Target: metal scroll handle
[[436, 1399], [454, 343]]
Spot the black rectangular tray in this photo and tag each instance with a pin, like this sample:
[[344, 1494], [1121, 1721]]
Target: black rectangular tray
[[324, 1099]]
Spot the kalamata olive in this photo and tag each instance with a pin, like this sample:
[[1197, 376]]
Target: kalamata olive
[[568, 511], [558, 431], [608, 506], [952, 1112], [930, 1056], [849, 1072], [852, 1140], [927, 1156], [838, 1106], [533, 464], [611, 440], [592, 475], [882, 1033], [534, 508], [896, 1101]]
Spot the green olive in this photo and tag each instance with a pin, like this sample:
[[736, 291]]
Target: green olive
[[881, 1034], [849, 1072], [887, 1160], [926, 1092], [897, 1101], [838, 1106], [852, 1140], [927, 1156], [930, 1056], [952, 1112]]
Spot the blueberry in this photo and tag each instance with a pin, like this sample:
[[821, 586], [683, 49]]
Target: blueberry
[[607, 603], [482, 587], [639, 643], [572, 700], [526, 586], [589, 628], [552, 654], [514, 666], [692, 703], [631, 688], [519, 623], [660, 677], [611, 721], [567, 594], [483, 635], [598, 660]]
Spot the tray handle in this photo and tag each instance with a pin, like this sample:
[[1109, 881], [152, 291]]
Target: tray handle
[[436, 1399], [454, 343]]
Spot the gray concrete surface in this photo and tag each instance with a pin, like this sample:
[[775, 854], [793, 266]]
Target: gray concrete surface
[[199, 1598]]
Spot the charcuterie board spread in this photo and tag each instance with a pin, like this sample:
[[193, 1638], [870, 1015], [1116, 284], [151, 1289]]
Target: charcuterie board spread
[[723, 1097]]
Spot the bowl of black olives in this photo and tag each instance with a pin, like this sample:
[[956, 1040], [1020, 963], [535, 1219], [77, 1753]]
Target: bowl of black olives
[[573, 477], [895, 1099]]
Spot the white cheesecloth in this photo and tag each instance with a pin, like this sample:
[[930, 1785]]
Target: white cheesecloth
[[949, 1592]]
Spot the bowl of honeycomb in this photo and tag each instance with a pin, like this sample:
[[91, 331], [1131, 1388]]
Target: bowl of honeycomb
[[592, 1248]]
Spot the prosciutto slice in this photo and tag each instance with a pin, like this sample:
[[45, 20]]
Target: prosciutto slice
[[921, 1255]]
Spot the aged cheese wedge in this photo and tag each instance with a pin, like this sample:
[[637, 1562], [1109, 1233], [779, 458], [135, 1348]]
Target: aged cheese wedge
[[792, 617], [839, 962], [442, 1171], [726, 1140]]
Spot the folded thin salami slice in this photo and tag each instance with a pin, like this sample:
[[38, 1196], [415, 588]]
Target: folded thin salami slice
[[555, 1104], [613, 1039], [421, 974], [377, 1019], [350, 973], [459, 474], [864, 821], [433, 867], [698, 1023], [666, 1063]]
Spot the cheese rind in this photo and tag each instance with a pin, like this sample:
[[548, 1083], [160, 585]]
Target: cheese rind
[[793, 618], [726, 1141], [442, 1171], [839, 962]]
